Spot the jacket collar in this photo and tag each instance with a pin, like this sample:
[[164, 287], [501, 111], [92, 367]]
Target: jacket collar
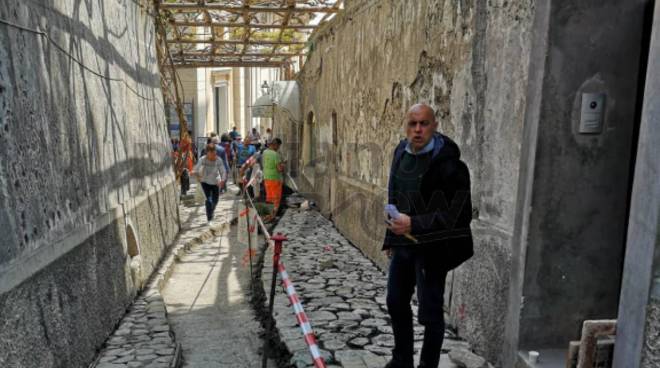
[[438, 143], [428, 148]]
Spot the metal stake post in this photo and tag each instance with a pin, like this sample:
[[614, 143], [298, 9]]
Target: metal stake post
[[277, 251], [247, 205]]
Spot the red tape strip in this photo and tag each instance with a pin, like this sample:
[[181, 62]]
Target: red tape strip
[[310, 339]]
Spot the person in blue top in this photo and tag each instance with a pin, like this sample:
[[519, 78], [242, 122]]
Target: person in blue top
[[244, 150], [220, 151], [234, 133]]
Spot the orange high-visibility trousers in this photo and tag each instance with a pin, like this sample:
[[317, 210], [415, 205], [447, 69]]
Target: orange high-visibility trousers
[[273, 192]]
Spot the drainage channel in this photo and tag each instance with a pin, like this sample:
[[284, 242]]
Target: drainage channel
[[277, 350]]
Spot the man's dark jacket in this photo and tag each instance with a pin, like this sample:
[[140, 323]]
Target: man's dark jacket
[[443, 208]]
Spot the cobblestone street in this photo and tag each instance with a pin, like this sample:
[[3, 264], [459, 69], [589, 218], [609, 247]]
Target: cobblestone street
[[343, 294], [204, 317]]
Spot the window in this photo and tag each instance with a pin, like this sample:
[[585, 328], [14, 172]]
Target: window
[[309, 141]]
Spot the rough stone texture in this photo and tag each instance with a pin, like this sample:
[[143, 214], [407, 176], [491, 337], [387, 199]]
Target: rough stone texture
[[144, 337], [651, 348], [82, 158], [467, 359], [343, 294], [70, 307], [469, 60]]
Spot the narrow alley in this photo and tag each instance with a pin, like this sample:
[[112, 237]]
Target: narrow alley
[[329, 184], [207, 297]]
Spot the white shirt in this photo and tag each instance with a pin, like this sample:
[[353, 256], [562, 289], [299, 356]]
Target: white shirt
[[211, 171]]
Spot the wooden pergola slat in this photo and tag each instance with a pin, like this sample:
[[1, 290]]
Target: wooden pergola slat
[[228, 64], [226, 54], [195, 7], [290, 4], [236, 42], [197, 30], [181, 23]]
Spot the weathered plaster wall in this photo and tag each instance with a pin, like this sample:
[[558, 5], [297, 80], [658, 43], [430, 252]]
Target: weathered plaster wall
[[81, 157], [469, 60]]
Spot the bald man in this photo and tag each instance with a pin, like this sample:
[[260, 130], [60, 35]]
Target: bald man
[[430, 187]]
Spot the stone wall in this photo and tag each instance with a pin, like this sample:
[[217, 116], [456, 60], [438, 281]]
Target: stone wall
[[87, 195], [467, 59]]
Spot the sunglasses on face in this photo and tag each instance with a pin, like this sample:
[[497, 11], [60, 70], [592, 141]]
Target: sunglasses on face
[[423, 123]]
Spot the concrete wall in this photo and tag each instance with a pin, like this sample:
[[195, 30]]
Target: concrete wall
[[581, 181], [638, 325], [82, 158], [469, 60]]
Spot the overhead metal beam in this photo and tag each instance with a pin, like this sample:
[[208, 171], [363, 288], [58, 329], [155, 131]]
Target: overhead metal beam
[[226, 64], [195, 7], [238, 42], [236, 54], [291, 4], [180, 23]]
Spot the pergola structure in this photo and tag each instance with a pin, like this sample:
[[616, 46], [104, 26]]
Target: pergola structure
[[240, 33]]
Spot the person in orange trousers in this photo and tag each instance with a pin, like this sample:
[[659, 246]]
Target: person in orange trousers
[[273, 169]]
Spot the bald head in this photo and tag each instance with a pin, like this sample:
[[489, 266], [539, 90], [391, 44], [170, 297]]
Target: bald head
[[420, 125], [422, 109]]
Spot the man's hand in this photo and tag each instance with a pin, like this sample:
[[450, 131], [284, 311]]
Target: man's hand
[[221, 183], [401, 225], [388, 253]]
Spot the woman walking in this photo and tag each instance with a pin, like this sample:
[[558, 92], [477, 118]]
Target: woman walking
[[211, 173]]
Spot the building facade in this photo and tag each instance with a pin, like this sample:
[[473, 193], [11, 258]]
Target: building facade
[[221, 98]]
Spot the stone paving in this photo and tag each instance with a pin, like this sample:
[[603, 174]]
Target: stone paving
[[205, 302], [208, 300], [144, 337], [207, 296], [343, 294]]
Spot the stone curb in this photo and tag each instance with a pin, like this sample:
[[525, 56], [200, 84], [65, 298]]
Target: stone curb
[[145, 343]]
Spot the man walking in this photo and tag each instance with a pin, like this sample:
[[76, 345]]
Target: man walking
[[222, 154], [430, 186], [255, 138], [244, 150], [211, 173], [273, 169], [234, 133]]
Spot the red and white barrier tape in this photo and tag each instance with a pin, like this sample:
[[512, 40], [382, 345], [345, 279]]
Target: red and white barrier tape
[[259, 221], [305, 326], [301, 317]]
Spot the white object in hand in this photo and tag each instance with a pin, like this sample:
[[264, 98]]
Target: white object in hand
[[391, 210]]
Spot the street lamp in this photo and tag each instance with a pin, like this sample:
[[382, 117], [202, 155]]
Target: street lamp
[[264, 106]]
